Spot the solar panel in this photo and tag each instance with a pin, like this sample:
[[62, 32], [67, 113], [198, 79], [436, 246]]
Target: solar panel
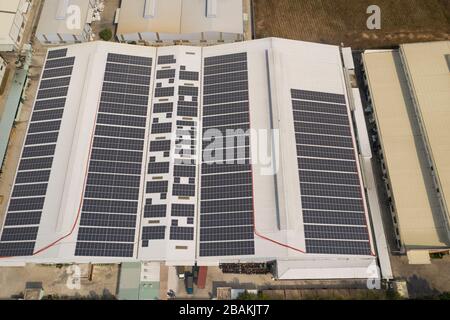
[[58, 72], [155, 210], [189, 75], [30, 186], [111, 196], [181, 233], [167, 59], [171, 184], [226, 206], [153, 233], [53, 83], [59, 53], [57, 63], [165, 74], [331, 191], [128, 59]]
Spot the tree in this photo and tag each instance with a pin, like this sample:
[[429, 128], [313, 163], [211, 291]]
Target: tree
[[251, 296], [105, 34]]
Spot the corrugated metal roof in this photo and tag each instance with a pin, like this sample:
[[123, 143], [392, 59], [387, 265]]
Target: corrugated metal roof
[[416, 203], [180, 17], [429, 77]]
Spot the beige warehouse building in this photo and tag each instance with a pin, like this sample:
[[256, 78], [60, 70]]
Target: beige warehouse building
[[409, 90], [187, 21]]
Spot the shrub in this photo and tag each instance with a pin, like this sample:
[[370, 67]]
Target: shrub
[[105, 34]]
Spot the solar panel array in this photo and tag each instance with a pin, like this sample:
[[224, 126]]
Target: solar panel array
[[333, 208], [331, 196], [184, 186], [226, 206], [30, 187], [160, 150], [171, 181], [112, 192]]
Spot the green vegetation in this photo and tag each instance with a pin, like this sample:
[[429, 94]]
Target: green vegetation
[[251, 296], [437, 255], [444, 296], [105, 34]]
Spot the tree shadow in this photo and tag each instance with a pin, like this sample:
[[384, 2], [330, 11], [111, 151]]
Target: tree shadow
[[420, 288]]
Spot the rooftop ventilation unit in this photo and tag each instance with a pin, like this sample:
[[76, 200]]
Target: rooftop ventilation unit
[[149, 9], [211, 8], [61, 10]]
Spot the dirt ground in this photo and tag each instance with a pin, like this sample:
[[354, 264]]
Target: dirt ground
[[344, 21], [107, 21], [423, 280], [54, 281]]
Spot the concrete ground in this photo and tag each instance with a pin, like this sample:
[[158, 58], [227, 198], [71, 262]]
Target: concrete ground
[[216, 278], [55, 281], [163, 279]]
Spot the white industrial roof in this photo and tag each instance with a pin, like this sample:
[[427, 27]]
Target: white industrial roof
[[180, 17], [275, 66], [50, 23]]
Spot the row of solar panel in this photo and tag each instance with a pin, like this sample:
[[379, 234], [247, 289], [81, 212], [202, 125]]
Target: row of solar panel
[[227, 248], [106, 234], [127, 78], [109, 97], [104, 249], [108, 220], [128, 59], [126, 88], [338, 247], [329, 184], [318, 96], [30, 186], [181, 233], [167, 59], [116, 160], [128, 69], [58, 63]]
